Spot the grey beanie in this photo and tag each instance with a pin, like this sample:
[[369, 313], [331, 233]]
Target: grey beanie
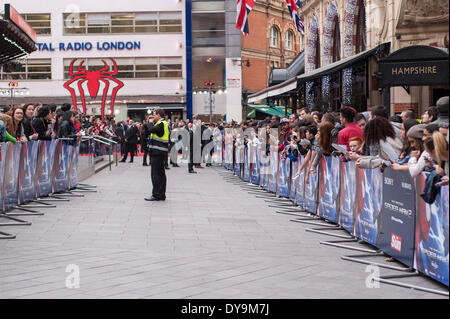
[[442, 105], [416, 131]]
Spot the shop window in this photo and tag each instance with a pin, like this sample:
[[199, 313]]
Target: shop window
[[39, 22], [32, 69]]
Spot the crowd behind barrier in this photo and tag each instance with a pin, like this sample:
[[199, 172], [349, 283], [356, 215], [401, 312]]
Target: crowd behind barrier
[[388, 203], [36, 169], [382, 209]]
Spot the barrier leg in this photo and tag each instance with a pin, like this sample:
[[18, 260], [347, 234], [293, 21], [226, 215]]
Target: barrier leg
[[317, 222], [53, 198], [299, 213], [69, 194], [87, 185], [387, 280], [322, 230], [25, 212], [84, 190], [358, 259], [342, 244], [6, 235], [16, 221]]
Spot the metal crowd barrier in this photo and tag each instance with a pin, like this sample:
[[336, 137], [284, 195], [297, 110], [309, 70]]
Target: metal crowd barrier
[[382, 209]]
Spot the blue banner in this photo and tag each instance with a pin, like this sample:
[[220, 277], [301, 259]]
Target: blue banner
[[348, 203], [247, 164], [432, 238], [310, 199], [283, 177], [255, 165], [273, 173], [61, 165], [27, 171], [73, 174], [11, 177], [371, 188], [329, 175], [300, 194], [398, 216], [294, 181]]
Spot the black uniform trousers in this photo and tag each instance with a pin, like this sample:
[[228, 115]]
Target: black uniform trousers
[[159, 179]]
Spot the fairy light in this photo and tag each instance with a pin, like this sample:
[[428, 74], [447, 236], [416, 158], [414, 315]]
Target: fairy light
[[332, 12]]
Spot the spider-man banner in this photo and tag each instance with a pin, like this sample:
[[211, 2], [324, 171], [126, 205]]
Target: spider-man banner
[[283, 177], [432, 238], [255, 165], [247, 164], [329, 182], [73, 174], [349, 204], [11, 175], [294, 181], [27, 170], [273, 173], [300, 194], [92, 82], [370, 184], [311, 190], [61, 166], [398, 216]]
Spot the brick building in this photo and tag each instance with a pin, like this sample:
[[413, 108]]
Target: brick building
[[273, 43]]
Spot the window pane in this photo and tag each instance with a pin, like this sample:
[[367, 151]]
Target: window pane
[[99, 30], [98, 19], [146, 75], [146, 29], [122, 30]]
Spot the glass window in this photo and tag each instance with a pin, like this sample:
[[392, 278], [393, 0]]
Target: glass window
[[170, 68], [146, 22], [99, 23], [289, 41], [146, 67], [208, 29], [274, 37], [39, 22], [74, 23], [170, 22], [32, 69]]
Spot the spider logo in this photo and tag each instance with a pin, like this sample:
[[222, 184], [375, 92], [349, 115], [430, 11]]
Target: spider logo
[[93, 79]]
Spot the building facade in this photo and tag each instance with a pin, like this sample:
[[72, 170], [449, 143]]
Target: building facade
[[273, 43], [147, 43]]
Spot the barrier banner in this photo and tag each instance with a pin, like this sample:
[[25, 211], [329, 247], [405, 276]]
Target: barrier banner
[[350, 203], [27, 170], [11, 177], [237, 165], [294, 181], [255, 165], [397, 222], [42, 183], [283, 177], [310, 198], [61, 164], [73, 173], [329, 182], [431, 245], [247, 164], [229, 158], [265, 168], [370, 184], [3, 147], [300, 194], [273, 173]]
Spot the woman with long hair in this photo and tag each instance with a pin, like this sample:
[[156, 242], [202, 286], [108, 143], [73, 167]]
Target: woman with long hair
[[28, 114], [17, 119]]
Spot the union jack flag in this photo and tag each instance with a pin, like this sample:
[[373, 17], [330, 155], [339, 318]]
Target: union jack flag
[[293, 6], [243, 10]]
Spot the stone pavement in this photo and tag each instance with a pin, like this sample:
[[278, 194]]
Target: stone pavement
[[209, 239]]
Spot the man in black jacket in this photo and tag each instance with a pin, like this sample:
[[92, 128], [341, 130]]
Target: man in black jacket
[[131, 139]]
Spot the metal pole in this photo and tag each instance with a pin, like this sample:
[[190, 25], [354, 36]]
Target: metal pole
[[12, 97], [210, 104]]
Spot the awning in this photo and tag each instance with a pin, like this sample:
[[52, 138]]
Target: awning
[[17, 38], [414, 65], [275, 90], [343, 64], [267, 109]]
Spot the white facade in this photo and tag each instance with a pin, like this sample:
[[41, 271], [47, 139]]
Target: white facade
[[148, 45]]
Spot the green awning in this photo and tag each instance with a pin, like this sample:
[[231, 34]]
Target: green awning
[[269, 110]]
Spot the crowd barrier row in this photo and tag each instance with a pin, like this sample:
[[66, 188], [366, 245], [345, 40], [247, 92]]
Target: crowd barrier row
[[36, 169], [384, 209]]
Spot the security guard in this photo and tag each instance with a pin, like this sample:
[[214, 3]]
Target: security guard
[[158, 148]]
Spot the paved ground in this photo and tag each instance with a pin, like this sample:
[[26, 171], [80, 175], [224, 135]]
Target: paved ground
[[210, 239]]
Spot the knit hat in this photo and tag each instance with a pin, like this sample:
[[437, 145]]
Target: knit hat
[[416, 131], [442, 105], [284, 120]]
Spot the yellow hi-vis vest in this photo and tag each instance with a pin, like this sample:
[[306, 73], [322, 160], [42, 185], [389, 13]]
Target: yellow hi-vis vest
[[160, 143]]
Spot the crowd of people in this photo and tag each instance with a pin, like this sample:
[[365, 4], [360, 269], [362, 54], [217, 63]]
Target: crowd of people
[[372, 139]]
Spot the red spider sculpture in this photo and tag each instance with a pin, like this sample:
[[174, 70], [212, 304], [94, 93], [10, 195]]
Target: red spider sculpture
[[93, 79]]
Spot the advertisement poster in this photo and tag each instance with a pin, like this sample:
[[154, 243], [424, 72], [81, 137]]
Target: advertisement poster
[[264, 171], [237, 165], [247, 164], [311, 189], [294, 181], [329, 183], [73, 172], [2, 174], [11, 177], [397, 222], [27, 169], [61, 182], [273, 173], [255, 165], [370, 182], [283, 177], [431, 244], [300, 194], [349, 202]]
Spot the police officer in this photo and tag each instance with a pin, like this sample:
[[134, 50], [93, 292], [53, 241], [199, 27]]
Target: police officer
[[158, 148]]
